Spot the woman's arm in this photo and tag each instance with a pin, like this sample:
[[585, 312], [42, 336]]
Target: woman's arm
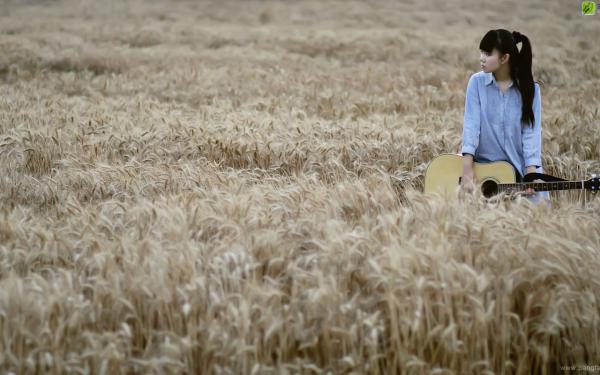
[[472, 118], [532, 139], [532, 136]]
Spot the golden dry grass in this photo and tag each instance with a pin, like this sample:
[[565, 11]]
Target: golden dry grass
[[234, 187]]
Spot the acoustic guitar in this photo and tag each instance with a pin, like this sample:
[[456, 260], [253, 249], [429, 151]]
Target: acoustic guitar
[[443, 175]]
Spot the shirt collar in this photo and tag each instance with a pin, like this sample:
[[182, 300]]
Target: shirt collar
[[490, 78]]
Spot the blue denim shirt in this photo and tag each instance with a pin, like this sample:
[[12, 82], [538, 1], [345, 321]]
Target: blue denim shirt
[[492, 124]]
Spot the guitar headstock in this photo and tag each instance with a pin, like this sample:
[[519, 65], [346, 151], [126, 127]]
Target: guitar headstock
[[593, 183]]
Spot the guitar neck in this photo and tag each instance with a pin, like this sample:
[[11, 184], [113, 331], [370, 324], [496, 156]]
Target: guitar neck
[[542, 186]]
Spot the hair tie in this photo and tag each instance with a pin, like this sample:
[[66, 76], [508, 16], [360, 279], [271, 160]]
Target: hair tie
[[517, 36]]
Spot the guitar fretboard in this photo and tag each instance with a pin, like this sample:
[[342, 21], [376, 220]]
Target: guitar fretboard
[[541, 186]]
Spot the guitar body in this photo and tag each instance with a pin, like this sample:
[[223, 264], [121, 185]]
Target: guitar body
[[443, 173]]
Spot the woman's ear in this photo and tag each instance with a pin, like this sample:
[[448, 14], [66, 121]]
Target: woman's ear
[[504, 59]]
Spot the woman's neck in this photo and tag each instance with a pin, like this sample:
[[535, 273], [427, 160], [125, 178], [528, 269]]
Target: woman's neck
[[502, 75]]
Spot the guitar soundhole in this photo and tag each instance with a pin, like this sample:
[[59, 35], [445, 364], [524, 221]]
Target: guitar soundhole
[[489, 188]]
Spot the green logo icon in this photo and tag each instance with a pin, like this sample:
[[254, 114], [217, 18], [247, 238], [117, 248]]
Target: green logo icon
[[588, 8]]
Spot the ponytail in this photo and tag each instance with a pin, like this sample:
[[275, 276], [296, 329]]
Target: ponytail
[[522, 67]]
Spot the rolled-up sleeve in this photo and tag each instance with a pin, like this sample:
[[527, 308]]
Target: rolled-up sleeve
[[472, 117], [532, 136]]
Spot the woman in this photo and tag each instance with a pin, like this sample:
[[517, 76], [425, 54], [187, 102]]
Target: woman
[[503, 108]]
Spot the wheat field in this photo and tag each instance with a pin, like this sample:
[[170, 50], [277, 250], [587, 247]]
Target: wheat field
[[235, 187]]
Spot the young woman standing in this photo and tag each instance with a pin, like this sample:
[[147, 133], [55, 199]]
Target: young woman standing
[[503, 107]]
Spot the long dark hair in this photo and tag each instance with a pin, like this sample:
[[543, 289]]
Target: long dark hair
[[520, 65]]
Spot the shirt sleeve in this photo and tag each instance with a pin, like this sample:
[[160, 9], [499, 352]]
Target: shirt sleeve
[[532, 136], [472, 117]]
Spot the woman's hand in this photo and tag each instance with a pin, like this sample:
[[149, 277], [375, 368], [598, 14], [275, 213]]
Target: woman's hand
[[530, 191], [468, 179]]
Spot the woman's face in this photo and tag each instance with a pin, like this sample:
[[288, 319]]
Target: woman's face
[[490, 62]]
